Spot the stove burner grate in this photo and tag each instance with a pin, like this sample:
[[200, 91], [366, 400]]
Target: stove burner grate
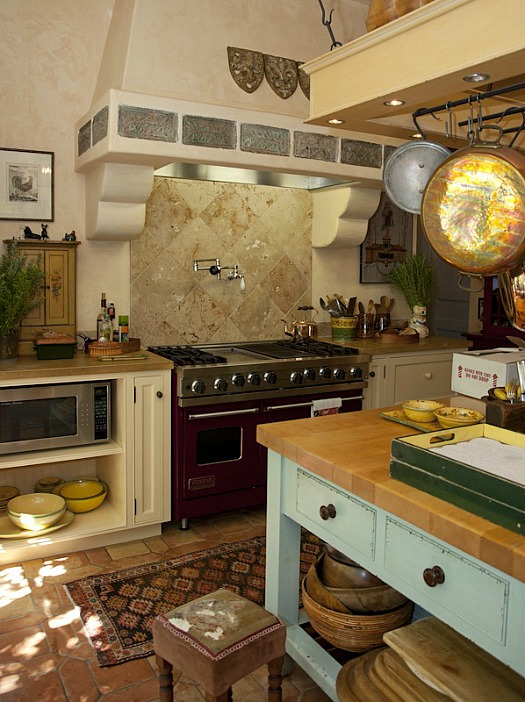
[[187, 356], [291, 349]]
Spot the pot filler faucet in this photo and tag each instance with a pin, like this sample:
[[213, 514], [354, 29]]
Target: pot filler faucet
[[216, 269]]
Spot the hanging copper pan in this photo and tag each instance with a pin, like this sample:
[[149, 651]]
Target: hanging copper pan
[[512, 293], [473, 208]]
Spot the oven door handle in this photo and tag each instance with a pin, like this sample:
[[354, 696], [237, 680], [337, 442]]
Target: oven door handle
[[211, 415], [273, 408]]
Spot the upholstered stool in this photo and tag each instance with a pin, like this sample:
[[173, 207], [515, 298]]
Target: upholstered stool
[[217, 640]]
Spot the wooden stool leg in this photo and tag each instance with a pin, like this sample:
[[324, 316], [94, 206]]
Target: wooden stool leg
[[165, 680], [275, 693]]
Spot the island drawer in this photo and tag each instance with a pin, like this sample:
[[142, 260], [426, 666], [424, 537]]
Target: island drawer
[[455, 582], [347, 518]]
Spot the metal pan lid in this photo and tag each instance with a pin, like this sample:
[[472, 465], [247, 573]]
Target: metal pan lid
[[408, 171]]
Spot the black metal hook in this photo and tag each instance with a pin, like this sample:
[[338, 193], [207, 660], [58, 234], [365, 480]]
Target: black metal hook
[[327, 23]]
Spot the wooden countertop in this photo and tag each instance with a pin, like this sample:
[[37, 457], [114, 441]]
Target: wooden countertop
[[29, 367], [352, 450], [374, 347]]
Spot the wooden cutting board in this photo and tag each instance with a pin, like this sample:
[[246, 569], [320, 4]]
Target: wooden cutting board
[[455, 665], [392, 671]]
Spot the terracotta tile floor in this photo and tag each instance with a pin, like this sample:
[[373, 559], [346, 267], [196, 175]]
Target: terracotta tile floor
[[45, 655]]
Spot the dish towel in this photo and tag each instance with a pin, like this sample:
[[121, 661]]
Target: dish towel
[[327, 406]]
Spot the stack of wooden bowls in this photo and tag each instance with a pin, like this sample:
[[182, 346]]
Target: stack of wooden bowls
[[349, 606]]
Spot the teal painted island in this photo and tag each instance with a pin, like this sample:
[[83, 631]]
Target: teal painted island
[[392, 529]]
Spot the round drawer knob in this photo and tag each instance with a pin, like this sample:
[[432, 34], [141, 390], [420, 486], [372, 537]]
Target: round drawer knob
[[159, 394], [433, 576], [428, 376], [327, 512]]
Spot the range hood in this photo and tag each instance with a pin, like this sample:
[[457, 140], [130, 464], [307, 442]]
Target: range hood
[[422, 59]]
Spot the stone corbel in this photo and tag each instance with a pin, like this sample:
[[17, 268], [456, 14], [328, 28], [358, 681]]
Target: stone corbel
[[341, 215], [116, 200]]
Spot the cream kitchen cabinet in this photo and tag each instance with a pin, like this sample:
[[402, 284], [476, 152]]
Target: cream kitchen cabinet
[[151, 448], [407, 376], [58, 311], [135, 464]]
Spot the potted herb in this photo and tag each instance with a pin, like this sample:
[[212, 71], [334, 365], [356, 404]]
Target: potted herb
[[21, 285], [413, 278]]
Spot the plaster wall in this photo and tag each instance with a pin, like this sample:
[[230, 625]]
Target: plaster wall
[[51, 56]]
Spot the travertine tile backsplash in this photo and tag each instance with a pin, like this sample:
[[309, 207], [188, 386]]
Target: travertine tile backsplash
[[266, 231]]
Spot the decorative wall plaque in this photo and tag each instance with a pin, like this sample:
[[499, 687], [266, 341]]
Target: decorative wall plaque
[[304, 80], [281, 74], [246, 68]]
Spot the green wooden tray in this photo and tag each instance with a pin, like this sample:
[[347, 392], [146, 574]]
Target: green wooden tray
[[495, 498]]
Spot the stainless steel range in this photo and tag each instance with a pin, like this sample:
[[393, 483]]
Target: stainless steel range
[[223, 391]]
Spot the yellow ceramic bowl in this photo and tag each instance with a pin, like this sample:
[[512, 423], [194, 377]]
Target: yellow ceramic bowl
[[83, 495], [421, 410], [450, 417], [36, 511]]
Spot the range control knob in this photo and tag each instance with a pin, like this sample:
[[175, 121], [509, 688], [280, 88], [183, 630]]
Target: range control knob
[[221, 385], [198, 386], [356, 372], [309, 374], [325, 373], [254, 378], [270, 377], [296, 378], [339, 374], [238, 380]]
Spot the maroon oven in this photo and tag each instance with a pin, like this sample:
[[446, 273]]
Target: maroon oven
[[222, 392]]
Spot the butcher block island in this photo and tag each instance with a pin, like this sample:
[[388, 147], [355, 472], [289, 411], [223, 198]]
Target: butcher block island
[[134, 463], [391, 529]]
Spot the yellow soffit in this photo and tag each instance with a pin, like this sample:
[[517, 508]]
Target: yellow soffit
[[420, 58]]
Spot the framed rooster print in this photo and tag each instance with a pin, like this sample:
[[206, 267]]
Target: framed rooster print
[[26, 185]]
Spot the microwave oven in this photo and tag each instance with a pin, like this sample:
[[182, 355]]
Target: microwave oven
[[41, 417]]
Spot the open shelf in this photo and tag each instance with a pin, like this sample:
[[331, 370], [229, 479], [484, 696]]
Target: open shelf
[[76, 453], [103, 519]]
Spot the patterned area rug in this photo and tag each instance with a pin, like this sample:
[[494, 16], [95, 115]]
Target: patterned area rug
[[117, 608]]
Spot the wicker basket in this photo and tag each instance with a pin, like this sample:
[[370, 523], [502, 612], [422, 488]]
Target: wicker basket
[[112, 348], [353, 632]]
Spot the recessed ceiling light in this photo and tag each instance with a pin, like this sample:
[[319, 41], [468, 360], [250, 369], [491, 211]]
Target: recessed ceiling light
[[336, 121], [476, 77], [394, 103]]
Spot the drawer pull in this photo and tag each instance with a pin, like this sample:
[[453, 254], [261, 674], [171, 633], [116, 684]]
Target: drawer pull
[[428, 376], [433, 576], [327, 511]]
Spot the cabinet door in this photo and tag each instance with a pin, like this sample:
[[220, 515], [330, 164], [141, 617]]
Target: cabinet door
[[36, 317], [152, 448], [60, 299], [421, 376], [376, 393]]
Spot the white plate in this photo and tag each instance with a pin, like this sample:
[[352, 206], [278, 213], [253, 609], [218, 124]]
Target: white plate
[[8, 530]]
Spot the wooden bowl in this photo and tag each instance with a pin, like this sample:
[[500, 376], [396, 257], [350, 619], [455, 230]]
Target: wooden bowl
[[360, 599], [333, 573], [353, 632]]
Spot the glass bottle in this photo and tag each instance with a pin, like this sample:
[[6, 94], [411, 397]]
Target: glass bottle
[[105, 330], [101, 314]]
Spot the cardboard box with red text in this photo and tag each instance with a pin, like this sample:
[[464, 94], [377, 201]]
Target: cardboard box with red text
[[475, 372]]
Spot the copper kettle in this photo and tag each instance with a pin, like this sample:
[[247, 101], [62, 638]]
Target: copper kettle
[[301, 330]]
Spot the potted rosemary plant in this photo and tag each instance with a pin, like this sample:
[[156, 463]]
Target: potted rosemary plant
[[413, 278], [21, 285]]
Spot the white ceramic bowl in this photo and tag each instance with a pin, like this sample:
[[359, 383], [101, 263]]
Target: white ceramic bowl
[[36, 511], [421, 410]]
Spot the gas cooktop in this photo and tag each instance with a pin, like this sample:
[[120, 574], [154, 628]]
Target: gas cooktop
[[224, 372], [247, 352]]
